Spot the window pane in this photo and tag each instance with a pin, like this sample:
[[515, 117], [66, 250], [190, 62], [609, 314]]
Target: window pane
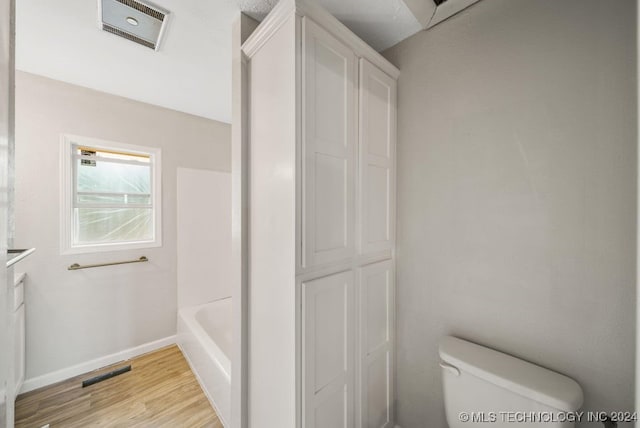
[[113, 177], [104, 225], [124, 199]]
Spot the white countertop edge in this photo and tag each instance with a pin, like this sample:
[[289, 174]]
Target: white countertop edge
[[20, 257]]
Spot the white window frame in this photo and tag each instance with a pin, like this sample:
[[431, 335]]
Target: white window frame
[[67, 193]]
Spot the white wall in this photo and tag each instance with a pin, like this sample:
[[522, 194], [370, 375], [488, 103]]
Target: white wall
[[241, 30], [75, 316], [271, 300], [516, 195], [204, 236]]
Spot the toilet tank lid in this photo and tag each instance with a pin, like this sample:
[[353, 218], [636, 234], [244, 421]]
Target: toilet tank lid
[[521, 377]]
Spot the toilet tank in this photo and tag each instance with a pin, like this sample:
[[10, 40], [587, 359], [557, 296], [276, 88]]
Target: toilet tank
[[484, 387]]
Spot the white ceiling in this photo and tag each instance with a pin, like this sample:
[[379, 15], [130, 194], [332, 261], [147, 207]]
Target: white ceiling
[[192, 71]]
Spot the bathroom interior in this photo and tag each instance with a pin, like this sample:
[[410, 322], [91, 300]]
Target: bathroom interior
[[318, 213]]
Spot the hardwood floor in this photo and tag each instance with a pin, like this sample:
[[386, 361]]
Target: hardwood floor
[[159, 391]]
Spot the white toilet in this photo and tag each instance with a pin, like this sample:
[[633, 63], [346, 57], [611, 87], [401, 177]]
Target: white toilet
[[487, 388]]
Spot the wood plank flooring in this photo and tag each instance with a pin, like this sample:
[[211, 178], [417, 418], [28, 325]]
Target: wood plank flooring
[[159, 391]]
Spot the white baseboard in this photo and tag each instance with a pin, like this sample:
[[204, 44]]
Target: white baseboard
[[86, 367]]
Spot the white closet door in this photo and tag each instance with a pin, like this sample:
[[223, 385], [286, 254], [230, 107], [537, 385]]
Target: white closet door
[[328, 149], [377, 291], [328, 352], [377, 159]]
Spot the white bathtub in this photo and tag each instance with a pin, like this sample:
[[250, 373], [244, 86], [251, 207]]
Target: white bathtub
[[204, 335]]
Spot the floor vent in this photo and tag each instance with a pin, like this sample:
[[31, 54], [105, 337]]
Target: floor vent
[[105, 376], [138, 21]]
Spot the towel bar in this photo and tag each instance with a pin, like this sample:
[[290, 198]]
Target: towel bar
[[77, 266]]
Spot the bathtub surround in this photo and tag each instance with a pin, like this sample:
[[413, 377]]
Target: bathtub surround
[[204, 240], [76, 319], [204, 281], [517, 195]]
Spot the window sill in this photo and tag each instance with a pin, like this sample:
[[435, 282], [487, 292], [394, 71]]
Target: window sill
[[103, 248]]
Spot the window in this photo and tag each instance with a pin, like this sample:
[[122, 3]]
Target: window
[[111, 196]]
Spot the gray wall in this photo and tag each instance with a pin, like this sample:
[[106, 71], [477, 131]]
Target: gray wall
[[517, 194], [78, 316]]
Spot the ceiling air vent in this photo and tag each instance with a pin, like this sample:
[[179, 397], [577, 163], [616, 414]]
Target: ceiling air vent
[[141, 22]]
